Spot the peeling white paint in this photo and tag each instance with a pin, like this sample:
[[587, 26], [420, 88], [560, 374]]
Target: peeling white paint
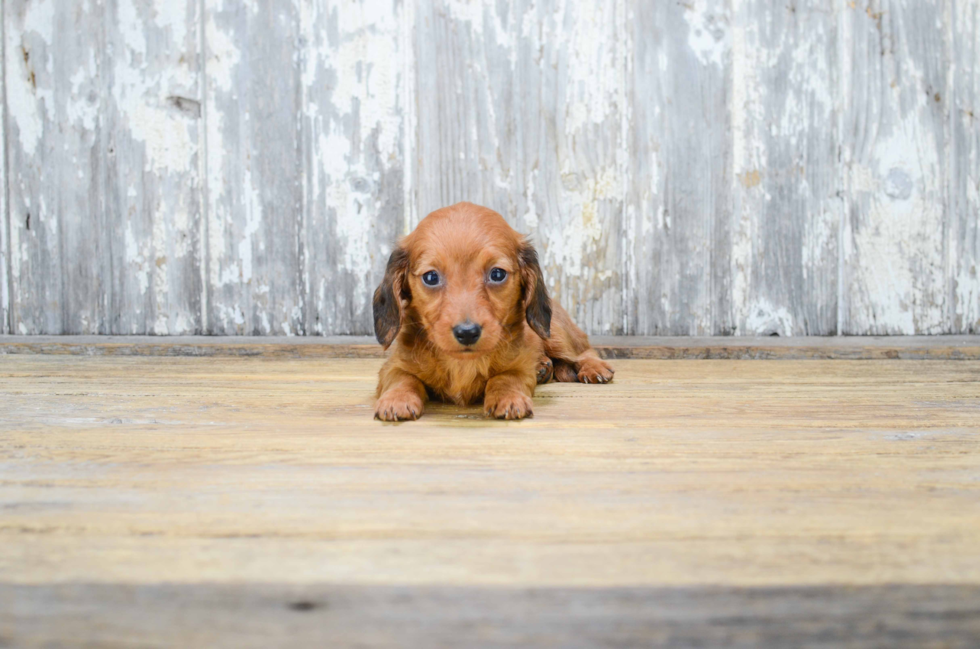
[[707, 33], [482, 18], [531, 215], [786, 217], [82, 107], [140, 92], [353, 223], [898, 246], [408, 108], [765, 319], [963, 24], [27, 95], [4, 215], [155, 134], [131, 27], [820, 241], [593, 72], [569, 247], [362, 66], [136, 260], [171, 17], [367, 68], [568, 184], [467, 11], [897, 256], [748, 152], [223, 57]]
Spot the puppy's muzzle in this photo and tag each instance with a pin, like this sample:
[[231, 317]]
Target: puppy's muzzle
[[467, 333]]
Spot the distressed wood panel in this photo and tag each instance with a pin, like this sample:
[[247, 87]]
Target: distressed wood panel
[[895, 61], [785, 103], [964, 146], [153, 187], [4, 214], [353, 165], [710, 167], [523, 111], [253, 102], [56, 148], [677, 262]]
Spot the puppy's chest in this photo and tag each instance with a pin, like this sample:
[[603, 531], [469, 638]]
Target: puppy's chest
[[459, 382]]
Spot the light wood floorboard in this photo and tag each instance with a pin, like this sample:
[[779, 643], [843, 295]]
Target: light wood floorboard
[[686, 498]]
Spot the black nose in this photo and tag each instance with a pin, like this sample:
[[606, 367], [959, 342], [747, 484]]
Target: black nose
[[467, 333]]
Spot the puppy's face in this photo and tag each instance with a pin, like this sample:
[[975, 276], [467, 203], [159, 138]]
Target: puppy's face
[[465, 288], [467, 279]]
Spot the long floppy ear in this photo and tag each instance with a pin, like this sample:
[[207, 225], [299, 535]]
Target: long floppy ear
[[537, 304], [390, 298]]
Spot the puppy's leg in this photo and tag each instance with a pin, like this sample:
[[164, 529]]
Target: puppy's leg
[[508, 395], [565, 372], [534, 345], [401, 396], [575, 359]]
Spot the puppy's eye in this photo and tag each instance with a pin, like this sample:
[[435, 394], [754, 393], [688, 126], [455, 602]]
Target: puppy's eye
[[498, 275], [431, 278]]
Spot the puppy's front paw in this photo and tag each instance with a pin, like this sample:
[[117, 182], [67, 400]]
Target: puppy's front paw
[[546, 370], [398, 405], [508, 405], [595, 370]]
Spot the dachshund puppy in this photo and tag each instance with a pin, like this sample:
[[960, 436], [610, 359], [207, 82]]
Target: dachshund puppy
[[464, 297]]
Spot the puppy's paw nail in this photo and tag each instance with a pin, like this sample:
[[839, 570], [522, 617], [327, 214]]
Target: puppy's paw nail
[[399, 406], [508, 406]]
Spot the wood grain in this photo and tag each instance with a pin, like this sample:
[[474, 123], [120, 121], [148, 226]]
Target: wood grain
[[524, 113], [263, 615], [896, 58], [4, 212], [56, 84], [695, 168], [254, 161], [785, 121], [690, 499], [677, 263], [679, 473], [964, 156], [353, 167], [619, 347], [154, 198], [243, 486]]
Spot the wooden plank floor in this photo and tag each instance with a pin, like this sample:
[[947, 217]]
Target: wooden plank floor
[[254, 502]]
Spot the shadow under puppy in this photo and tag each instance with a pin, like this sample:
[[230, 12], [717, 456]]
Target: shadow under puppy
[[464, 297]]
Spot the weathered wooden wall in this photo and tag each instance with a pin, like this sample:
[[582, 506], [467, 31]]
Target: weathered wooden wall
[[706, 167]]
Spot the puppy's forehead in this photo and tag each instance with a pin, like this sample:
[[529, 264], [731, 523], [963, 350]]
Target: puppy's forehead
[[462, 235]]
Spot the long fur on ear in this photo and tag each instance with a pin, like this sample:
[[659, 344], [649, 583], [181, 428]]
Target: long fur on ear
[[537, 304], [390, 298]]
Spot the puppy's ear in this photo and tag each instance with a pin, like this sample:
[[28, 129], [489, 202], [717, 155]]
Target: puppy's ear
[[537, 304], [391, 297]]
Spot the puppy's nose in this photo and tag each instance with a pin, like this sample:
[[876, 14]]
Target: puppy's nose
[[467, 333]]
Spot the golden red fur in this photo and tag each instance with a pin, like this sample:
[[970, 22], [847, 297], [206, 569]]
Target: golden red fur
[[462, 333]]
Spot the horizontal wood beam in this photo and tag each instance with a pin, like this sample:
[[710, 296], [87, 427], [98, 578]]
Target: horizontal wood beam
[[621, 347], [438, 616]]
